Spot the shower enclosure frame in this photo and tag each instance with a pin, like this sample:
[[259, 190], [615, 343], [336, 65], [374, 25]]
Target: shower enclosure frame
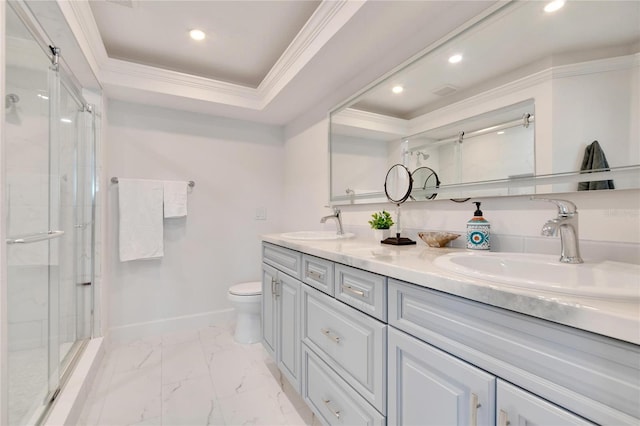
[[73, 88]]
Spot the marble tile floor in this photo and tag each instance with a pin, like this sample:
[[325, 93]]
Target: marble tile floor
[[198, 377]]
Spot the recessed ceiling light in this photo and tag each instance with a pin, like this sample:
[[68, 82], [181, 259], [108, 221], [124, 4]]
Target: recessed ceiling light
[[197, 34], [455, 58], [66, 120], [553, 6], [397, 89]]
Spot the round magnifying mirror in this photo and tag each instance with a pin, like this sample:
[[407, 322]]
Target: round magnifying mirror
[[425, 183], [398, 184]]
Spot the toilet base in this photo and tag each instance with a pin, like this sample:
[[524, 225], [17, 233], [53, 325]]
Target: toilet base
[[248, 328]]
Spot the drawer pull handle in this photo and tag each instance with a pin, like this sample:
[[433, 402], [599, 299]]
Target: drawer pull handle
[[330, 335], [274, 287], [352, 290], [474, 405], [333, 411], [315, 275], [503, 419]]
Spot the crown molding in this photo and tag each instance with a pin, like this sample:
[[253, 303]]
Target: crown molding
[[118, 73], [597, 66], [326, 21], [83, 26], [371, 121]]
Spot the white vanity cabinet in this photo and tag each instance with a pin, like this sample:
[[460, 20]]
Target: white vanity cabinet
[[332, 349], [368, 349], [281, 309]]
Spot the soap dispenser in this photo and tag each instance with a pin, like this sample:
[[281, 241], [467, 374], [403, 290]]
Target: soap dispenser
[[478, 231]]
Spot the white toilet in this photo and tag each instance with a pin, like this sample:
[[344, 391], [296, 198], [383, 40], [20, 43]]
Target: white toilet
[[246, 299]]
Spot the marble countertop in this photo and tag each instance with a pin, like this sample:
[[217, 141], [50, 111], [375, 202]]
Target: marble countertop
[[414, 264]]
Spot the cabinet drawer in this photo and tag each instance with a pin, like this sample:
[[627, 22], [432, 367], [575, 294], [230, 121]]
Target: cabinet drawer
[[363, 290], [318, 273], [515, 405], [288, 261], [331, 398], [352, 343]]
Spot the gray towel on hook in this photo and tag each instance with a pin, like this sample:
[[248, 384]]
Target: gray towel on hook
[[594, 159]]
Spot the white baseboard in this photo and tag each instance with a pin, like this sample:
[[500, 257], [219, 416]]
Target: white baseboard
[[128, 333]]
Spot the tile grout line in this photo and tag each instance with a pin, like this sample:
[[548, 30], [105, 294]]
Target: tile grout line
[[214, 401]]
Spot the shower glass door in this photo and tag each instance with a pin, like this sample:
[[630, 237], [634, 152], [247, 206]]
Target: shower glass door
[[48, 173], [75, 170], [31, 272]]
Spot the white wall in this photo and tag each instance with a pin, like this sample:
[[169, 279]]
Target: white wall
[[237, 167], [306, 179]]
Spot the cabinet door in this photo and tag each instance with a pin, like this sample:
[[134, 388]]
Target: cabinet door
[[288, 353], [519, 407], [430, 387], [269, 319]]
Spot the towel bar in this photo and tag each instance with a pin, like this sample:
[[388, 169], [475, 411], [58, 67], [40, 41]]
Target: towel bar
[[190, 183]]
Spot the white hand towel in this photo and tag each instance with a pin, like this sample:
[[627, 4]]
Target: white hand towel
[[175, 198], [141, 227]]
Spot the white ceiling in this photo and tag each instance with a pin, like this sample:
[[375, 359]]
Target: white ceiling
[[244, 39], [265, 61]]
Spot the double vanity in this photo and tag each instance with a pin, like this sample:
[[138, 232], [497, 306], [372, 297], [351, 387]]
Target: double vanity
[[375, 335]]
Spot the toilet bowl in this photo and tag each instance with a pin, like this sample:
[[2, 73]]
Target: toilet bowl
[[246, 299]]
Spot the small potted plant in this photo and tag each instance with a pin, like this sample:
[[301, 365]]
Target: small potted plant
[[381, 222]]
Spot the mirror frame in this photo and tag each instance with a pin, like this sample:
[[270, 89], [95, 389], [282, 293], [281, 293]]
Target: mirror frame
[[407, 192], [542, 182]]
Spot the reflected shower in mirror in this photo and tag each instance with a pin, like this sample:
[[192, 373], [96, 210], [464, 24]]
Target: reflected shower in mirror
[[425, 184], [497, 145]]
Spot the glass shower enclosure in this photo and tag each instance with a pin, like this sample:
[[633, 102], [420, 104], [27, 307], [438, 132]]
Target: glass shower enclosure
[[49, 205]]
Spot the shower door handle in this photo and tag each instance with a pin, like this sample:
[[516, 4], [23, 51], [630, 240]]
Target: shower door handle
[[34, 238]]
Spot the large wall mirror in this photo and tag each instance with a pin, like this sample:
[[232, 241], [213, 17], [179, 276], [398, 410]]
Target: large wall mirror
[[522, 101]]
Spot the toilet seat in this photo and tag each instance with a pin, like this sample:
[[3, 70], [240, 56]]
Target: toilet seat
[[253, 288]]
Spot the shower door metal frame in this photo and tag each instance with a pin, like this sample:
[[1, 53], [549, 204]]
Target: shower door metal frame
[[58, 374]]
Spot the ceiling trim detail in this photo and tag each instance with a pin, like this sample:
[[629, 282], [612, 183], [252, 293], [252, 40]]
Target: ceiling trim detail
[[326, 21], [371, 121]]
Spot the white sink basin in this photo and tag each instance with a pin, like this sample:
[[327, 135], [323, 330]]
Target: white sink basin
[[317, 235], [602, 280]]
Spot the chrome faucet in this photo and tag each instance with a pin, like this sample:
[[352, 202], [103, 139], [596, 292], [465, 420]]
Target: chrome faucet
[[567, 224], [336, 216]]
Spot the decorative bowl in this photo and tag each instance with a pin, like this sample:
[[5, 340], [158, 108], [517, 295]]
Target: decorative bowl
[[437, 238]]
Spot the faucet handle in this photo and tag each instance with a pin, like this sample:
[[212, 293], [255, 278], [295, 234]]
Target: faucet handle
[[565, 207]]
